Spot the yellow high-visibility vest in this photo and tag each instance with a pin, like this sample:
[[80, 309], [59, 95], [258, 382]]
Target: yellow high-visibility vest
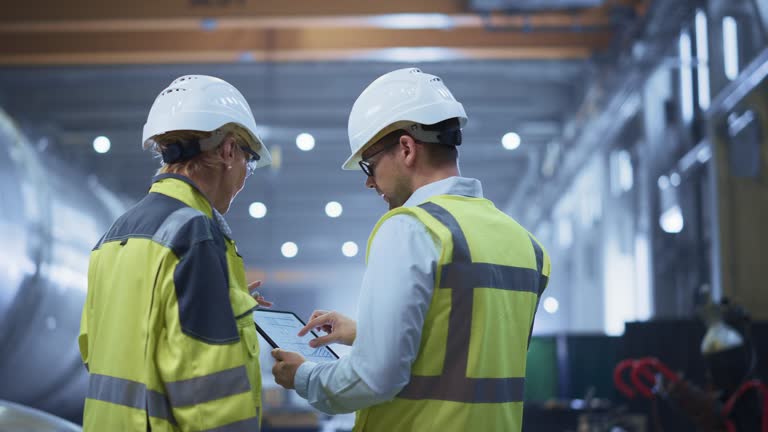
[[166, 331], [469, 373]]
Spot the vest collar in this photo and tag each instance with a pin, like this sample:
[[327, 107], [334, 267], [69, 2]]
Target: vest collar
[[464, 186], [185, 190]]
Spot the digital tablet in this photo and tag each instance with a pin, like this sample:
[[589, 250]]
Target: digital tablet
[[280, 329]]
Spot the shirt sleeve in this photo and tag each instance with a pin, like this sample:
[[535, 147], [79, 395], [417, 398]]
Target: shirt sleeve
[[394, 300]]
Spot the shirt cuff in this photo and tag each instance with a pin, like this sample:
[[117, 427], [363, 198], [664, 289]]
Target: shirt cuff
[[301, 379]]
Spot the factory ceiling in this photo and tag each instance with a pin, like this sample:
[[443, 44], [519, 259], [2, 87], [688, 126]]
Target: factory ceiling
[[72, 71]]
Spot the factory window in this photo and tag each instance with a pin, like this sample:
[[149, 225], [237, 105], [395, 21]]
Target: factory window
[[686, 76], [731, 47], [702, 57]]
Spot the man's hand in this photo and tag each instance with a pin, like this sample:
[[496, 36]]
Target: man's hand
[[257, 296], [284, 370], [340, 329]]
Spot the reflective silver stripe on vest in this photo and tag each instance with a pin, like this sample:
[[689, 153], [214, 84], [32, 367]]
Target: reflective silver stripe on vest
[[158, 406], [129, 393], [247, 425], [206, 388], [484, 275], [462, 276], [460, 245]]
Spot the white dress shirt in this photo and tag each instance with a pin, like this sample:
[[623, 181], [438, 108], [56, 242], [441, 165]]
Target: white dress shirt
[[394, 299]]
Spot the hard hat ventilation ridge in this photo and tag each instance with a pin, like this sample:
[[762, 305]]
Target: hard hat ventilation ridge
[[184, 78], [171, 90]]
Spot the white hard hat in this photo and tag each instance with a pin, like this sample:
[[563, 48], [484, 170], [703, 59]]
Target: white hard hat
[[203, 103], [394, 100]]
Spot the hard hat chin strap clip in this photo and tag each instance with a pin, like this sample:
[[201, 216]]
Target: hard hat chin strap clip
[[179, 152]]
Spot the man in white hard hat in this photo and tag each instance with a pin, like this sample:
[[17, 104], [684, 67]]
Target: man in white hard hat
[[451, 285], [166, 332]]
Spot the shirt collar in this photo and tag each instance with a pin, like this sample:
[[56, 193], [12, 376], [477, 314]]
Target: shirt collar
[[450, 186], [222, 223], [216, 216]]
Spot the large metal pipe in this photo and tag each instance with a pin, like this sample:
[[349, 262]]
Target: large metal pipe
[[50, 218], [14, 417]]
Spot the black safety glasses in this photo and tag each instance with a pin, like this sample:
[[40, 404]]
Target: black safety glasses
[[367, 164]]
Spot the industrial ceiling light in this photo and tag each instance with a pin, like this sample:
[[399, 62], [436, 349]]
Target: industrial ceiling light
[[101, 144], [671, 221], [551, 305], [671, 218], [674, 179], [663, 182], [305, 141], [289, 249], [333, 209], [412, 21], [349, 249], [257, 210], [510, 141]]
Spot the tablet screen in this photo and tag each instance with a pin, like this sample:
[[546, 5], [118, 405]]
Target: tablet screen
[[280, 329]]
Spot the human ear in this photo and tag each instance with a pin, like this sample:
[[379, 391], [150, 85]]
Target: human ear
[[409, 150], [227, 150]]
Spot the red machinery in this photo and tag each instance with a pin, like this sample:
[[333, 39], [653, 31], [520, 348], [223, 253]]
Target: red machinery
[[647, 369], [756, 384]]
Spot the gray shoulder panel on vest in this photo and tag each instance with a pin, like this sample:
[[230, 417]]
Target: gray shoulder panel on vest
[[168, 232]]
